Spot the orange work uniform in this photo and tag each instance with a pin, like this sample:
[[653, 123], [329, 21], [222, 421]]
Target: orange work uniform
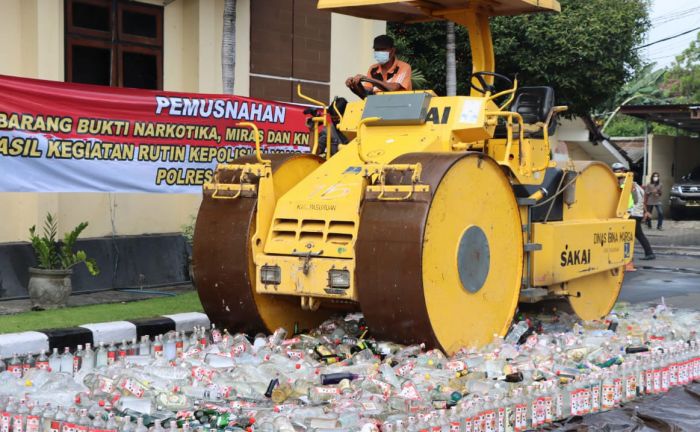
[[400, 72]]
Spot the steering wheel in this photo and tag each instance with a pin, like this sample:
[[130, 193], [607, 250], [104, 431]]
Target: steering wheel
[[485, 86], [374, 84]]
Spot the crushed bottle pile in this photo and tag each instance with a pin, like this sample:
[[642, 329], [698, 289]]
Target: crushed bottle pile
[[336, 378]]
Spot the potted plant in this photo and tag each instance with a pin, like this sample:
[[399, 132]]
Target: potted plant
[[50, 281]]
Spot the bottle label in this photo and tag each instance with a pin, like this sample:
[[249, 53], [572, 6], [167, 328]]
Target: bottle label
[[468, 425], [81, 428], [617, 383], [405, 369], [18, 423], [111, 357], [548, 409], [501, 422], [454, 427], [32, 423], [241, 348], [585, 406], [200, 373], [15, 369], [595, 398], [42, 365], [489, 421], [608, 396], [456, 365], [630, 387], [574, 399], [55, 426], [540, 412], [520, 417], [133, 387], [409, 391], [121, 353], [649, 381], [657, 380], [665, 379], [673, 375], [5, 422], [179, 346], [69, 427], [105, 385], [216, 336], [76, 363]]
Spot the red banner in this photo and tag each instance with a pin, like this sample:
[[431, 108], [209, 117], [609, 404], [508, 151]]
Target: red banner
[[59, 137]]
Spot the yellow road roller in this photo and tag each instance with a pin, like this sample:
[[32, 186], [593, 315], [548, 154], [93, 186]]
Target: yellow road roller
[[436, 219]]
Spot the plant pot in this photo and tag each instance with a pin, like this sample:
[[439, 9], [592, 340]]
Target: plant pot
[[49, 289]]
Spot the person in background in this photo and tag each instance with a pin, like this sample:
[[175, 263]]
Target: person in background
[[652, 195], [636, 211], [388, 74]]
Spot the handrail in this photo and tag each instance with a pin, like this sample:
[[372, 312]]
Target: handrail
[[258, 153], [363, 122], [318, 120], [510, 91]]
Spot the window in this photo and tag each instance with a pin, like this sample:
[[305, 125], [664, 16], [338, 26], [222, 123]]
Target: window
[[114, 43]]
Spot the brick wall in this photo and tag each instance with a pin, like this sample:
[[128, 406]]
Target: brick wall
[[290, 39]]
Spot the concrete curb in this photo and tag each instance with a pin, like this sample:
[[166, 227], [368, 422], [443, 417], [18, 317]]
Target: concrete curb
[[115, 331]]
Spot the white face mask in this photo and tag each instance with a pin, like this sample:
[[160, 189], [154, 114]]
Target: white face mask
[[381, 56]]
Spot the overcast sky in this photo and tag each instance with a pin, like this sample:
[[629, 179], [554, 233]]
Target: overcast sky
[[668, 18]]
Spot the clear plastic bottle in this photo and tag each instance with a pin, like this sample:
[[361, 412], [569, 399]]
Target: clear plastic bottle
[[19, 417], [6, 415], [517, 332], [607, 401], [67, 361], [58, 419], [145, 346], [33, 419], [101, 356], [15, 366], [140, 426], [42, 362], [111, 354], [111, 425], [122, 350], [169, 349], [179, 344], [84, 422], [55, 361], [88, 363], [157, 347], [46, 418], [126, 426], [78, 359], [28, 363]]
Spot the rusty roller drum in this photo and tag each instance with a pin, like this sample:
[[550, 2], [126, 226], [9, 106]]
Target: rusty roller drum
[[444, 268], [593, 297], [223, 253]]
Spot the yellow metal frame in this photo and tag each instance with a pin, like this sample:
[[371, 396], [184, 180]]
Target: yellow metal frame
[[319, 121]]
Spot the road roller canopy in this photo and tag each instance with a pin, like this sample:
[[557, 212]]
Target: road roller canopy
[[425, 10]]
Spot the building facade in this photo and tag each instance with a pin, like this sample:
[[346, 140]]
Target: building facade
[[170, 45]]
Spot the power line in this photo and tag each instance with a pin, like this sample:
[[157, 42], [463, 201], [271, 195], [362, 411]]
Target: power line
[[668, 38]]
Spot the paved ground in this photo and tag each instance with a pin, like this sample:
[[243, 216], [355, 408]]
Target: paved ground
[[17, 306], [675, 233]]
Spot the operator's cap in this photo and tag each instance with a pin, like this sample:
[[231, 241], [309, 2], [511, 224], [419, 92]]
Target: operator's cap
[[383, 42], [617, 166]]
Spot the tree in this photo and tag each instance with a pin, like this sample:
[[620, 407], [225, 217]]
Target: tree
[[228, 47], [683, 81], [451, 71], [586, 52]]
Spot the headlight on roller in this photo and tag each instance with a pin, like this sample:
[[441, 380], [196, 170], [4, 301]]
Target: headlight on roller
[[338, 278], [270, 275]]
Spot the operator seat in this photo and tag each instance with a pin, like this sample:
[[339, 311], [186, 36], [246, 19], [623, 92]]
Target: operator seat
[[534, 105]]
